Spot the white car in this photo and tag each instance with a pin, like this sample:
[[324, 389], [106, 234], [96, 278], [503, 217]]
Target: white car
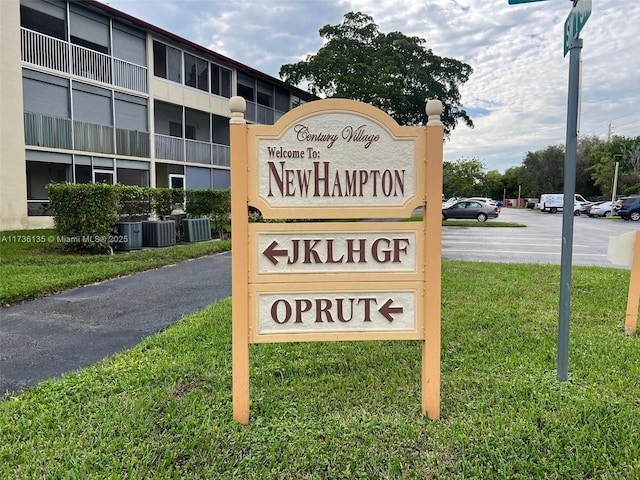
[[486, 200], [602, 210]]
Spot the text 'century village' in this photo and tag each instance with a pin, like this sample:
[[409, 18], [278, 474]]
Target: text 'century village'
[[322, 178]]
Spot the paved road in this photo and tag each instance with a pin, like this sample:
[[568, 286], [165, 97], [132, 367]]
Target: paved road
[[64, 332], [539, 242]]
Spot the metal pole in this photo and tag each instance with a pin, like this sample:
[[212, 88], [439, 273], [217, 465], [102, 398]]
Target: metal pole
[[615, 184], [575, 48]]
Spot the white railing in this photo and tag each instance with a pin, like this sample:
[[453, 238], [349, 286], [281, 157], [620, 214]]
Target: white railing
[[45, 131], [88, 63], [44, 51], [198, 152], [129, 75], [53, 53], [169, 148]]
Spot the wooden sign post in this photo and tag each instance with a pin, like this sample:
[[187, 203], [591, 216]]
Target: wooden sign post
[[333, 159]]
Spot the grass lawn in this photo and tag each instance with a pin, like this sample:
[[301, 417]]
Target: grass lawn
[[32, 263], [352, 410]]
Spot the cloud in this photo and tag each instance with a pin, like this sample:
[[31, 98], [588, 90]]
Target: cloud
[[518, 91]]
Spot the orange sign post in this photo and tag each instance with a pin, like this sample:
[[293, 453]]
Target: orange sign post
[[333, 159]]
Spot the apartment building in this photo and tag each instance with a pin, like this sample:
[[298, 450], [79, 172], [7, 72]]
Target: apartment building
[[90, 94]]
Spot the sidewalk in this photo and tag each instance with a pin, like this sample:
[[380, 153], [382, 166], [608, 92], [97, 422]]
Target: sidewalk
[[64, 332]]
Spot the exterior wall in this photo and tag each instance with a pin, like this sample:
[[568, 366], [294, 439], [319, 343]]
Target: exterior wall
[[13, 173]]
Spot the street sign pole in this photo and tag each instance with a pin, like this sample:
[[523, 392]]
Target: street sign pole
[[575, 49]]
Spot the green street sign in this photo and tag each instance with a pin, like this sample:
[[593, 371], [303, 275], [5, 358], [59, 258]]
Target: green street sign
[[515, 2], [578, 16]]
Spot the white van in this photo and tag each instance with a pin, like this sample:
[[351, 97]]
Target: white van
[[553, 202]]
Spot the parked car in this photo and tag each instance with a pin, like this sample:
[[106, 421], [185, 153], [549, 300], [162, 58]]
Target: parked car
[[629, 208], [488, 201], [449, 202], [470, 209], [586, 207], [601, 210]]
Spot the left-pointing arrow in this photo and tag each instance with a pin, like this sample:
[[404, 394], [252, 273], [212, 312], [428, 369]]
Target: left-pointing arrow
[[386, 310], [271, 253]]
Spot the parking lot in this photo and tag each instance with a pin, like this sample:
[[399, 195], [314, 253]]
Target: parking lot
[[539, 242]]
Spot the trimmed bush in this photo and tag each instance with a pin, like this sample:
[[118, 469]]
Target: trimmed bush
[[135, 202], [163, 200], [84, 214]]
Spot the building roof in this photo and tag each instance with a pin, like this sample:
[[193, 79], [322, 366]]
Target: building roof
[[126, 18]]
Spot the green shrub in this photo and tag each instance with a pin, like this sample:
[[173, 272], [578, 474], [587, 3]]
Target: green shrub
[[164, 200], [84, 215], [135, 202]]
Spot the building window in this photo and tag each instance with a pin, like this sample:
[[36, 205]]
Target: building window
[[196, 72], [50, 22], [246, 87], [220, 81], [167, 62]]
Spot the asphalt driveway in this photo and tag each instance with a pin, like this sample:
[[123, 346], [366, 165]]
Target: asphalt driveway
[[64, 332]]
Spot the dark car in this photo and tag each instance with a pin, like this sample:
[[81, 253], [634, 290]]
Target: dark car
[[470, 209], [629, 208]]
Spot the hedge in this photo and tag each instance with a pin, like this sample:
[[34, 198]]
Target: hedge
[[86, 214]]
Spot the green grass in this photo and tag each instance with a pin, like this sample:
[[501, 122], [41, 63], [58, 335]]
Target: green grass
[[33, 263], [352, 409]]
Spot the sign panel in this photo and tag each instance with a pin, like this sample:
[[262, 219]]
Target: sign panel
[[347, 251], [329, 281], [312, 312], [578, 16], [323, 162]]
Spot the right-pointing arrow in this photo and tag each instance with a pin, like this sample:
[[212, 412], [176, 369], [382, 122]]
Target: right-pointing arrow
[[386, 310]]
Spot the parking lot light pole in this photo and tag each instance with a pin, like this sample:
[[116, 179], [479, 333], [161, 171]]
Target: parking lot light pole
[[617, 156]]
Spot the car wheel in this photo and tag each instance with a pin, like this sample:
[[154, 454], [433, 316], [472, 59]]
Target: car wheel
[[553, 210], [576, 213], [607, 214], [482, 217], [444, 217], [635, 216]]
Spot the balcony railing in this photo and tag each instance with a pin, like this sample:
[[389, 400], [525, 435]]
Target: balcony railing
[[262, 114], [221, 155], [194, 151], [90, 137], [45, 131], [132, 142], [169, 148], [45, 51], [198, 152], [53, 53]]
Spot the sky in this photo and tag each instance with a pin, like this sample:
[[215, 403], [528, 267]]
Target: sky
[[517, 95]]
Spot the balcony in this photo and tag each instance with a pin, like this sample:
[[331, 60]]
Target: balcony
[[193, 151], [46, 131], [55, 54]]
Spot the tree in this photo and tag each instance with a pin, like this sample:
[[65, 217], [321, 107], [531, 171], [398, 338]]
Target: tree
[[463, 178], [543, 170], [393, 72]]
